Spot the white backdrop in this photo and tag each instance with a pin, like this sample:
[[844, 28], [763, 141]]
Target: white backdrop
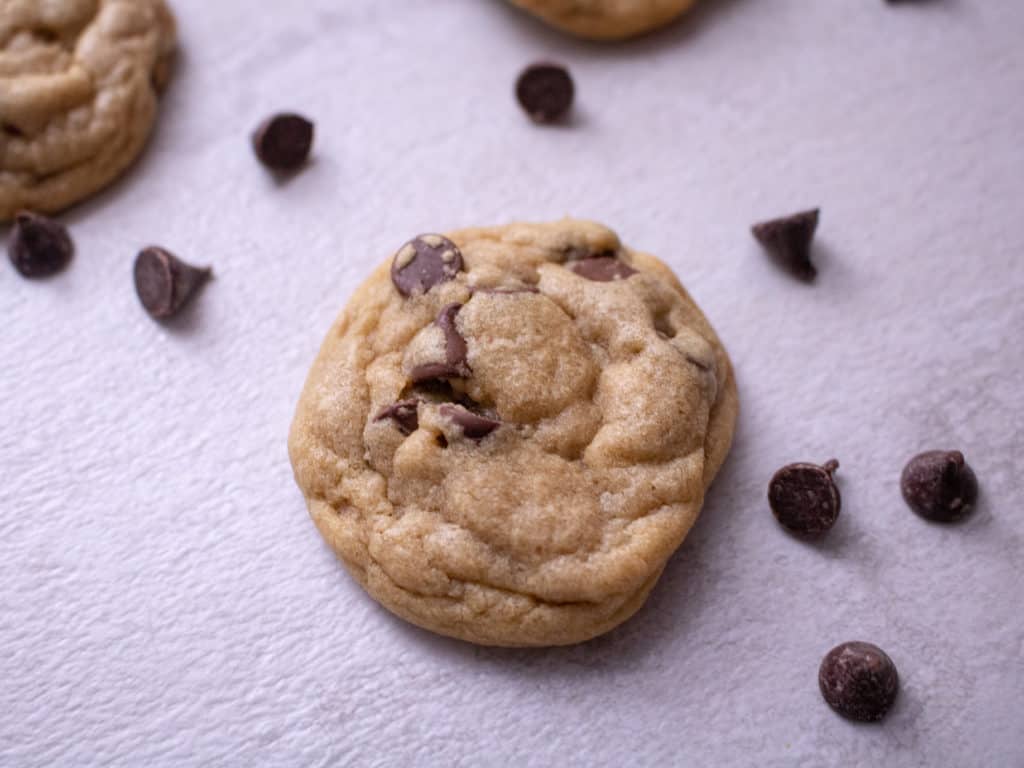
[[164, 599]]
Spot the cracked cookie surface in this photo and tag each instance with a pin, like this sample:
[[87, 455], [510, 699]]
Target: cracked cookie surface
[[606, 19], [78, 95], [509, 430]]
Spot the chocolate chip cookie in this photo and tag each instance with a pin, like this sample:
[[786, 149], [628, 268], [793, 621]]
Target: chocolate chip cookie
[[606, 19], [78, 95], [509, 430]]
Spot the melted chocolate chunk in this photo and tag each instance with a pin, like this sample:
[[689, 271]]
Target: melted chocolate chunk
[[454, 365], [859, 681], [939, 486], [788, 241], [283, 142], [165, 283], [405, 415], [602, 269], [545, 91], [473, 425], [39, 246], [804, 497], [424, 262]]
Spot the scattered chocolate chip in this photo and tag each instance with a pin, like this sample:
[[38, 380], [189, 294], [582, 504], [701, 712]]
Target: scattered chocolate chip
[[473, 425], [602, 269], [10, 129], [405, 415], [788, 241], [454, 365], [39, 246], [545, 91], [804, 497], [164, 282], [859, 681], [939, 485], [424, 262], [282, 142]]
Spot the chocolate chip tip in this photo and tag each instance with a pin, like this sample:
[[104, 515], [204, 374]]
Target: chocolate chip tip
[[787, 239], [164, 283]]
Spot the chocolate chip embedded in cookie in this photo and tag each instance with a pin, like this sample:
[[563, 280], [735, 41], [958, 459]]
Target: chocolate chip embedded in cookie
[[424, 262], [509, 431], [606, 19], [78, 95]]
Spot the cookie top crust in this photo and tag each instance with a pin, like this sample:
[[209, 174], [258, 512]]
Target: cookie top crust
[[606, 19], [509, 430], [78, 85]]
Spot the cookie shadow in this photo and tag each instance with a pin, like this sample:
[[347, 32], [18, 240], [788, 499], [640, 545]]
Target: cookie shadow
[[664, 624]]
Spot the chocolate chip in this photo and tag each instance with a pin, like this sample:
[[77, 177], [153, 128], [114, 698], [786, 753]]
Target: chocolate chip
[[39, 246], [454, 365], [545, 91], [473, 425], [282, 142], [424, 262], [602, 269], [804, 497], [405, 415], [788, 241], [859, 681], [164, 282], [939, 485]]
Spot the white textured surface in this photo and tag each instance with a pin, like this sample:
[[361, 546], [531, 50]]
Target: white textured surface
[[164, 599]]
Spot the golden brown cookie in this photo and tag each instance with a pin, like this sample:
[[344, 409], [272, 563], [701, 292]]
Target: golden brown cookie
[[78, 95], [509, 430], [606, 19]]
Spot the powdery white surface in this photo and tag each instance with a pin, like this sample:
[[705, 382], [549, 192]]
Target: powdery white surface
[[164, 599]]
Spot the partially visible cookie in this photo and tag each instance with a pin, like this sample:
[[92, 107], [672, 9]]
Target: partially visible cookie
[[606, 19], [509, 431], [78, 95]]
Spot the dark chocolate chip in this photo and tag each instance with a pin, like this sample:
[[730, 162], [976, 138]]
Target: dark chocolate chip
[[164, 282], [545, 91], [602, 269], [804, 497], [473, 425], [424, 262], [939, 485], [788, 241], [454, 365], [282, 142], [10, 129], [39, 245], [859, 681], [405, 415]]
